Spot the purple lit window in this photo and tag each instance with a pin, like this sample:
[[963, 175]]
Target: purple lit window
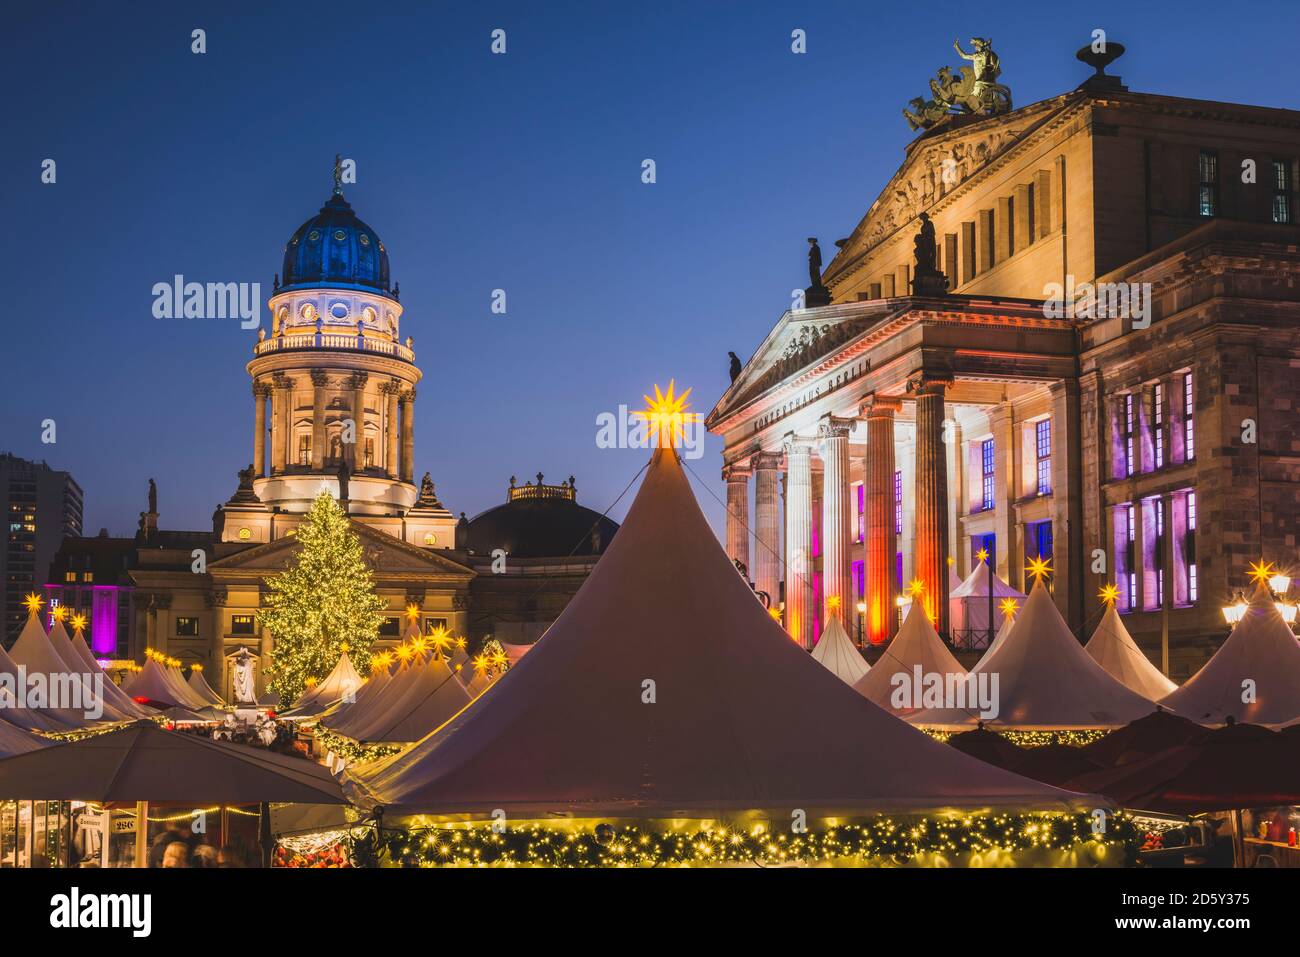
[[987, 460], [1043, 450]]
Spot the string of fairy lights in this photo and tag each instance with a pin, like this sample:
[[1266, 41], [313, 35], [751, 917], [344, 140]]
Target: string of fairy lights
[[884, 840]]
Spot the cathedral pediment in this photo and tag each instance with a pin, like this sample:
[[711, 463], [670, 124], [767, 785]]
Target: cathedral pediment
[[387, 555]]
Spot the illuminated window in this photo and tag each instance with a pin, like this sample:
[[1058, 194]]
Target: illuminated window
[[1129, 418], [1158, 422], [1191, 547], [1043, 449], [1209, 189], [69, 576], [242, 625], [987, 460], [304, 449], [1281, 191], [1130, 555], [1189, 417], [187, 627], [434, 624], [390, 627]]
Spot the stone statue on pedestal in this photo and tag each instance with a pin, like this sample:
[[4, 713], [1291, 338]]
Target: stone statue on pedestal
[[926, 279], [816, 294]]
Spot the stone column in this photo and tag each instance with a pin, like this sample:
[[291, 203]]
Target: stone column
[[356, 454], [956, 464], [1004, 494], [932, 498], [392, 432], [408, 436], [318, 381], [837, 535], [260, 392], [736, 476], [880, 540], [281, 426], [1067, 503], [798, 541], [767, 524]]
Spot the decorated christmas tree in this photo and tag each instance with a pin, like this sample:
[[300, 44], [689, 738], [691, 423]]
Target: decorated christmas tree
[[322, 601]]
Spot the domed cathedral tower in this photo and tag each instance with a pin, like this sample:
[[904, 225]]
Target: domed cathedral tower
[[334, 387]]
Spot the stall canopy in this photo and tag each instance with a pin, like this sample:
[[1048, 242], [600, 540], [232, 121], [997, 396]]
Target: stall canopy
[[1045, 679], [968, 603], [119, 697], [917, 644], [1260, 660], [342, 681], [1001, 636], [199, 685], [154, 685], [415, 704], [835, 651], [34, 652], [664, 689], [117, 705], [143, 762], [1112, 647], [31, 719], [14, 740]]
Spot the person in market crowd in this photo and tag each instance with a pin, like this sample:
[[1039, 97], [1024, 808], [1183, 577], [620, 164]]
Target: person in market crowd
[[176, 855]]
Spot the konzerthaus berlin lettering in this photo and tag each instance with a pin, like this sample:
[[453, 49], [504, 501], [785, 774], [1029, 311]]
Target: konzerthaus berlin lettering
[[927, 401]]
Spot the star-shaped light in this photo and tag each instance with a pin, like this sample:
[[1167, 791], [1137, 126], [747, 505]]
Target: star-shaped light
[[481, 663], [833, 603], [915, 587], [412, 612], [1039, 568], [78, 623], [33, 602], [982, 555], [1009, 607], [344, 647], [59, 612], [667, 415], [1262, 571], [1109, 594], [775, 613]]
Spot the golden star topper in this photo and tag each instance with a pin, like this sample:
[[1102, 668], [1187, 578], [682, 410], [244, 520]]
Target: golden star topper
[[1009, 607], [33, 602], [1108, 594], [666, 415], [1039, 568], [1261, 571]]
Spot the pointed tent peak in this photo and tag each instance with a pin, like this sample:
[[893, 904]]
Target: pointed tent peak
[[977, 585], [667, 416], [836, 651], [917, 644], [33, 603], [1261, 597], [1112, 647]]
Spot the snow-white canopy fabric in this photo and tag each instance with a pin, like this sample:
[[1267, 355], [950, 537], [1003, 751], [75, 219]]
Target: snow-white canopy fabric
[[342, 679], [340, 716], [117, 705], [917, 643], [199, 685], [836, 651], [1045, 679], [1261, 649], [968, 603], [29, 719], [664, 689], [999, 638], [34, 652], [432, 695], [1112, 647]]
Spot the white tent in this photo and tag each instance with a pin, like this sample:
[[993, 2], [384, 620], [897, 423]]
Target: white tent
[[1112, 647], [343, 715], [34, 652], [154, 685], [999, 638], [199, 685], [837, 652], [954, 580], [14, 740], [916, 644], [30, 719], [342, 680], [1045, 679], [968, 603], [665, 690], [1261, 650], [431, 695], [117, 705]]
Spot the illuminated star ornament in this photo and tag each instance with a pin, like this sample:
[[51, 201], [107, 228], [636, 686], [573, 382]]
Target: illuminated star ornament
[[1109, 594], [59, 612], [982, 555], [1261, 571], [1009, 607], [78, 623], [915, 587], [33, 603], [1039, 568], [667, 415]]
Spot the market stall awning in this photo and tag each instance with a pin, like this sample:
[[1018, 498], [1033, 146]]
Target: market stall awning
[[143, 762]]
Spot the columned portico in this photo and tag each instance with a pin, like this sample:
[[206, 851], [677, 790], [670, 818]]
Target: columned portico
[[736, 475], [932, 497], [798, 541], [879, 538], [837, 587], [766, 467]]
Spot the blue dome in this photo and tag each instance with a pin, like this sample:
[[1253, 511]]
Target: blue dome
[[335, 249]]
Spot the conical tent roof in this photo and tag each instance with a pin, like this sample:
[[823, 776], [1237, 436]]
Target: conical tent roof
[[1261, 649], [361, 718], [954, 580], [117, 706], [665, 689], [14, 740], [340, 717], [1045, 679], [434, 696], [152, 684], [342, 679], [836, 651], [33, 651], [1112, 647], [917, 643], [199, 685], [114, 693], [999, 638], [28, 719], [969, 601], [191, 698]]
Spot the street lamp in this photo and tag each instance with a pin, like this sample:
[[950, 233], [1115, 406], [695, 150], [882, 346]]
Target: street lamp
[[862, 611]]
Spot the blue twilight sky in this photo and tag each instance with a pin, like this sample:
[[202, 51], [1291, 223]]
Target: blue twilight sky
[[519, 172]]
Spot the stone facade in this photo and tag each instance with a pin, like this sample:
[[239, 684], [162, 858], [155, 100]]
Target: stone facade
[[1149, 447]]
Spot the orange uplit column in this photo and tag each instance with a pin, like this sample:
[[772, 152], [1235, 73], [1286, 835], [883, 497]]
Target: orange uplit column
[[837, 582], [798, 541], [932, 498], [879, 536]]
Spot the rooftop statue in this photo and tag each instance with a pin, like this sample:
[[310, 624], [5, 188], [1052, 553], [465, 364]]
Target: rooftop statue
[[975, 90]]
